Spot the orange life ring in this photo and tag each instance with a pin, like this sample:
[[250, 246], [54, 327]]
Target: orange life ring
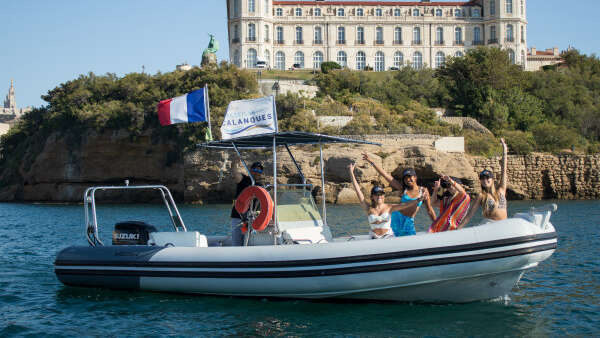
[[242, 204]]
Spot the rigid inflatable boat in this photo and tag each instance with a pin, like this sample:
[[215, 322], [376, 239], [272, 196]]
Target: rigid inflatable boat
[[294, 254]]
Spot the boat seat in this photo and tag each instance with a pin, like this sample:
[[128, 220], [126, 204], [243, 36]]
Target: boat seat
[[178, 239]]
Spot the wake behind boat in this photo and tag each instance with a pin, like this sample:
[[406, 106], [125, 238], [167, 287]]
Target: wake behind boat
[[292, 254]]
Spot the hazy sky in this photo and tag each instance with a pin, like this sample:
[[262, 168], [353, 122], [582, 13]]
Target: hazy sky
[[44, 43]]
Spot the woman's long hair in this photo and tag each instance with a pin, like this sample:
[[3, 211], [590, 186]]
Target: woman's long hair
[[486, 193]]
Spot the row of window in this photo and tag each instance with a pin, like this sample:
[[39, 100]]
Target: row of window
[[508, 6], [360, 35], [474, 12]]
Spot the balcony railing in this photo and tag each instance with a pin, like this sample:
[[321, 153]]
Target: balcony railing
[[492, 41], [417, 42], [509, 40], [477, 42], [459, 43], [378, 42], [251, 39], [267, 40], [279, 42], [317, 42], [341, 42], [359, 42], [235, 40], [439, 43], [397, 42], [299, 42]]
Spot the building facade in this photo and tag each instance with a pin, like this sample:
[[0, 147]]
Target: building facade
[[9, 111], [538, 59], [381, 35]]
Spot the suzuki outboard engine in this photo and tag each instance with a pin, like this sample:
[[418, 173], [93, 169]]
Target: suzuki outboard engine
[[132, 233]]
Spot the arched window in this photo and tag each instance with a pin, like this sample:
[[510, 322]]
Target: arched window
[[438, 12], [299, 37], [251, 58], [317, 12], [417, 35], [361, 60], [417, 62], [397, 12], [267, 58], [458, 54], [360, 35], [398, 59], [267, 33], [279, 12], [279, 37], [340, 12], [299, 60], [416, 12], [440, 60], [379, 35], [341, 35], [298, 11], [266, 7], [236, 8], [439, 36], [360, 12], [458, 35], [378, 12], [342, 59], [280, 61], [477, 35], [509, 33], [251, 6], [251, 32], [236, 58], [492, 7], [509, 6], [398, 35], [318, 35], [379, 62], [317, 60], [511, 56]]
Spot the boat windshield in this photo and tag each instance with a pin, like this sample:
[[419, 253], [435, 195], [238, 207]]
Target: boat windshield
[[296, 208]]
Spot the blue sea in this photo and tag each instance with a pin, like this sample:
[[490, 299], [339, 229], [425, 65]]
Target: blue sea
[[560, 297]]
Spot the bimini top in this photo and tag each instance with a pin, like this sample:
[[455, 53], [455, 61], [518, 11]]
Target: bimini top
[[281, 139]]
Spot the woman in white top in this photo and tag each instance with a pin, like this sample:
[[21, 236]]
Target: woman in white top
[[379, 213]]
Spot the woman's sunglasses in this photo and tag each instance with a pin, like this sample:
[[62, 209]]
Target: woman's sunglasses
[[257, 170]]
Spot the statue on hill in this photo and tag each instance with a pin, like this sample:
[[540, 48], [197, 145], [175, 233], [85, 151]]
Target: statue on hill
[[210, 53]]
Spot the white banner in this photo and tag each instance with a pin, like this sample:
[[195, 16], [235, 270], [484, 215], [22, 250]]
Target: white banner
[[249, 117]]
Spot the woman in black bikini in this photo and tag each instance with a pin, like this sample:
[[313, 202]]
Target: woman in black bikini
[[492, 199]]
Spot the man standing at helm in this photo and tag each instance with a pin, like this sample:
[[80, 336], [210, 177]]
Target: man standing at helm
[[244, 181]]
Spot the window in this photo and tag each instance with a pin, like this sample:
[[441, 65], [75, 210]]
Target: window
[[251, 32], [279, 33], [511, 56], [438, 12], [267, 58], [299, 60], [439, 36], [459, 54], [298, 11], [236, 33], [493, 32], [341, 35], [317, 60], [360, 12], [477, 34], [318, 13], [360, 35], [457, 13], [299, 38], [379, 35], [416, 12], [266, 5], [440, 60], [279, 12], [476, 13], [378, 12], [280, 61], [458, 35], [398, 59], [522, 34], [397, 12], [251, 58], [251, 6], [340, 12], [318, 35], [236, 58], [266, 33], [342, 59], [236, 8], [492, 7], [523, 9], [379, 62], [509, 33], [398, 35], [509, 7], [417, 62], [417, 35], [361, 60], [523, 59]]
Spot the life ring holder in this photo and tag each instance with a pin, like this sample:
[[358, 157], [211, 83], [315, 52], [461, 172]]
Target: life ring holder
[[245, 199]]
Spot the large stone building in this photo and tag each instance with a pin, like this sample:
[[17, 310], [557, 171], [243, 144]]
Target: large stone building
[[377, 34], [9, 113]]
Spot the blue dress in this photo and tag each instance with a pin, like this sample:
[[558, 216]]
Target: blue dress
[[403, 225]]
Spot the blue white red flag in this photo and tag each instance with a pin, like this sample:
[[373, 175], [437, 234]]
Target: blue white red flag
[[191, 107]]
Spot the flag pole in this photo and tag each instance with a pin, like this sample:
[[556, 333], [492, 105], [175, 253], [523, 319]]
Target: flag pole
[[207, 103]]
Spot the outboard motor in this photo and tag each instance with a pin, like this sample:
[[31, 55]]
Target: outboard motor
[[132, 233]]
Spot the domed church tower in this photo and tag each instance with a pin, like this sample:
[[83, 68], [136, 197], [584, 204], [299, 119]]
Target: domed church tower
[[250, 25], [506, 27]]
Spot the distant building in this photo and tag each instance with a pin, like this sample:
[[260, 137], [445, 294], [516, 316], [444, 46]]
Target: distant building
[[381, 35], [184, 67], [9, 113], [536, 59]]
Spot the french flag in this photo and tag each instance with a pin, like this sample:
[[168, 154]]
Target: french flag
[[191, 107]]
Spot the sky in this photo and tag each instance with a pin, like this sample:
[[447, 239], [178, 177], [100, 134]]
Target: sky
[[46, 43]]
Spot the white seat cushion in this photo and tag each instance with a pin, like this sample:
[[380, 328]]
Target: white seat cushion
[[183, 238]]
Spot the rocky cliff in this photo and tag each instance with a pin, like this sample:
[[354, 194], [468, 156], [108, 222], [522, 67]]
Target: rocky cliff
[[64, 168]]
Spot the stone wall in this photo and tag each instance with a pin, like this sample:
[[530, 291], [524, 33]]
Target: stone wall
[[287, 86]]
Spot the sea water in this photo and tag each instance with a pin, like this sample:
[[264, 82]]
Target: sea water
[[559, 297]]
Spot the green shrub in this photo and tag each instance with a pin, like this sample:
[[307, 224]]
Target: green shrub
[[552, 138], [519, 142], [482, 144], [326, 67]]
